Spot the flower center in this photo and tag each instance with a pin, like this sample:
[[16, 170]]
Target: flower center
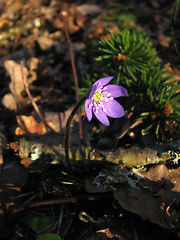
[[100, 96]]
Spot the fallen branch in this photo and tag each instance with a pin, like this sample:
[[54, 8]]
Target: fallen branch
[[63, 200], [132, 157]]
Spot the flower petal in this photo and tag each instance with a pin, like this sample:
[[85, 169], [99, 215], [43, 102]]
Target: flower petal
[[103, 81], [116, 90], [88, 110], [113, 109], [92, 91], [101, 116]]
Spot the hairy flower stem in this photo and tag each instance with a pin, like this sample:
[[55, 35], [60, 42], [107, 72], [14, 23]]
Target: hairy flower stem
[[68, 129]]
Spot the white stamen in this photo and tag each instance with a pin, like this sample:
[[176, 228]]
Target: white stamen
[[100, 96]]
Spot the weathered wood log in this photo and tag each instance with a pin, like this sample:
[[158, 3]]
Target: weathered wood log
[[132, 157]]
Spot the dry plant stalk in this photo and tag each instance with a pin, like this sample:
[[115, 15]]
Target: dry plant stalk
[[32, 101], [64, 14]]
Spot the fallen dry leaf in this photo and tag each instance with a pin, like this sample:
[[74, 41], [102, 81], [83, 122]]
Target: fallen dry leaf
[[28, 125], [153, 194], [45, 42], [5, 23], [75, 20], [108, 233], [16, 85], [26, 162], [9, 102], [55, 120]]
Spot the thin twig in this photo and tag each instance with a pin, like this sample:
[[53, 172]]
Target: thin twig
[[63, 200], [31, 99], [63, 14]]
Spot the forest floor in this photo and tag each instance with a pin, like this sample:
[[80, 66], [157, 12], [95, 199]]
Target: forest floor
[[38, 197]]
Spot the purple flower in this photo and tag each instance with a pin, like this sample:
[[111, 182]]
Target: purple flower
[[101, 103]]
